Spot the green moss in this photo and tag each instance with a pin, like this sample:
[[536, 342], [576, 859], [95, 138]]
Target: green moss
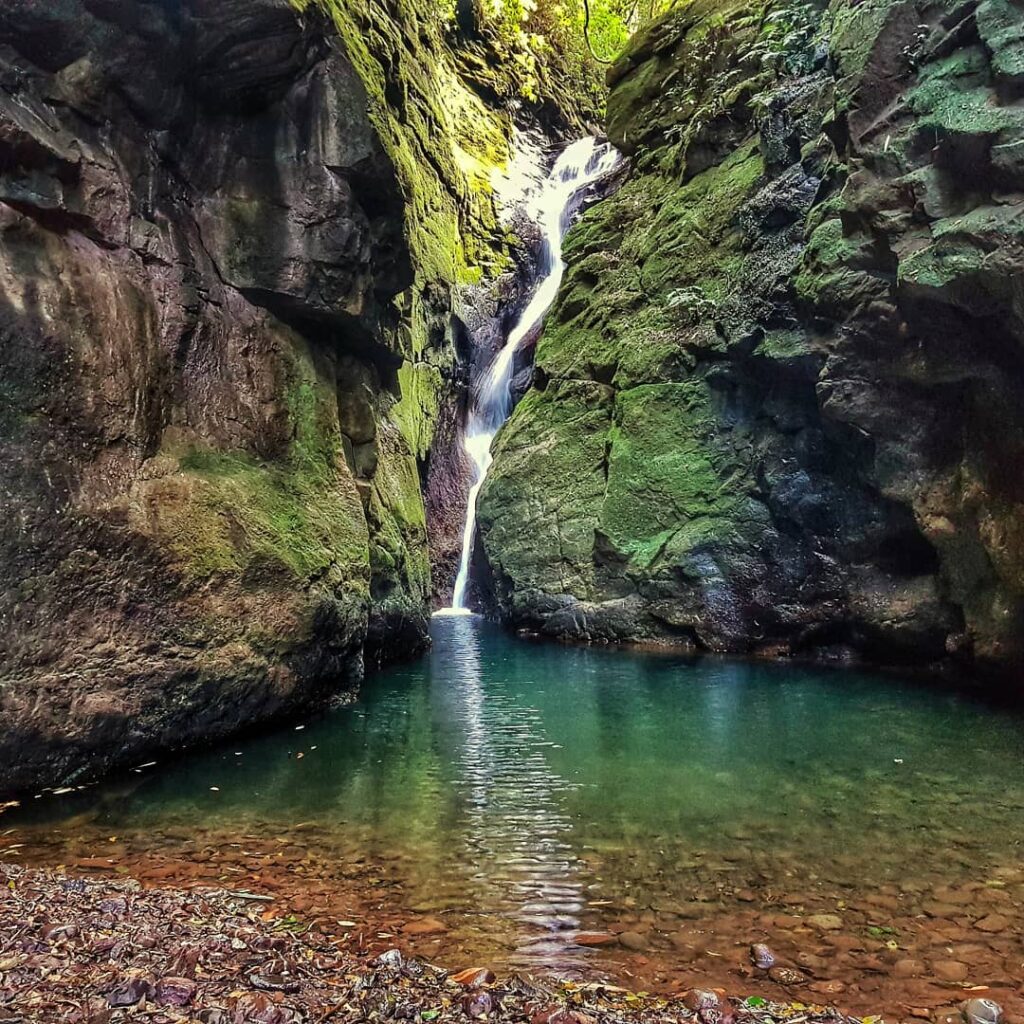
[[955, 97], [420, 387], [443, 141], [783, 344], [538, 509], [855, 31], [647, 270], [666, 472], [829, 276], [399, 559], [939, 266], [1001, 26], [230, 512], [695, 234]]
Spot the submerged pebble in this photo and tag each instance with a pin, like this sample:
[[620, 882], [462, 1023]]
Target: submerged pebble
[[981, 1011]]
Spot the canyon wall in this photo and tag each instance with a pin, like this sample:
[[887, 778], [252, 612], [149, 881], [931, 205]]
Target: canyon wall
[[232, 236], [777, 408]]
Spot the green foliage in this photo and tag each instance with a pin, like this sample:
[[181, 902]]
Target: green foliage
[[556, 41], [788, 36]]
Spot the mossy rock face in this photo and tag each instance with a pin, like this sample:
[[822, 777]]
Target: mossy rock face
[[234, 240], [665, 476], [803, 309], [1001, 27], [539, 511]]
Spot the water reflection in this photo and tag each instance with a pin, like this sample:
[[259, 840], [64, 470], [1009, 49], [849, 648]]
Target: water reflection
[[516, 835]]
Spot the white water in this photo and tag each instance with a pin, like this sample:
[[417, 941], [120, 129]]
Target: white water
[[580, 165]]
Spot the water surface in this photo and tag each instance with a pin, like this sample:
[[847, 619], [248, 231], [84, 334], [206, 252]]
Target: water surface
[[525, 793]]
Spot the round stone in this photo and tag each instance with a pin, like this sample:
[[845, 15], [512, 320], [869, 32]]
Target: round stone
[[908, 969], [950, 970], [992, 923], [634, 941], [981, 1011], [827, 922]]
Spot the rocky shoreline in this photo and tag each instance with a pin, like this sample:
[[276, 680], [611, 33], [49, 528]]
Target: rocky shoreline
[[92, 951]]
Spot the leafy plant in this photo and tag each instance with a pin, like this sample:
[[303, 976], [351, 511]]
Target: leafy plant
[[567, 41], [789, 35]]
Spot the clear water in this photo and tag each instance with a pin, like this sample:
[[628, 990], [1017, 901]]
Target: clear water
[[534, 791]]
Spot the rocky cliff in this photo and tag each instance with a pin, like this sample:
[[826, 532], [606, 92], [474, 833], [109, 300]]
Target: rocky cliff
[[778, 406], [232, 235]]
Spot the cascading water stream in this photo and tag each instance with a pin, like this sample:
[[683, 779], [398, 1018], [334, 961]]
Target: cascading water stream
[[580, 165]]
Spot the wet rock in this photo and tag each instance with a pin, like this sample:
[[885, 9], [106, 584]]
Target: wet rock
[[425, 926], [761, 956], [937, 908], [95, 863], [873, 964], [781, 922], [594, 939], [634, 941], [957, 897], [992, 924], [950, 970], [981, 1011], [811, 962], [692, 911], [474, 977], [908, 969], [1009, 875], [826, 922], [827, 988]]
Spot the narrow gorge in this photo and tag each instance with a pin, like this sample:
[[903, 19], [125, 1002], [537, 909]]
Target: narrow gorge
[[241, 246], [533, 486]]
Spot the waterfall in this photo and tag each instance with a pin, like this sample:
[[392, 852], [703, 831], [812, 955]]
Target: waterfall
[[579, 165]]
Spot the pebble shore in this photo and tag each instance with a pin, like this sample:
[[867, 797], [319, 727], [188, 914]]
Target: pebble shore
[[79, 950]]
